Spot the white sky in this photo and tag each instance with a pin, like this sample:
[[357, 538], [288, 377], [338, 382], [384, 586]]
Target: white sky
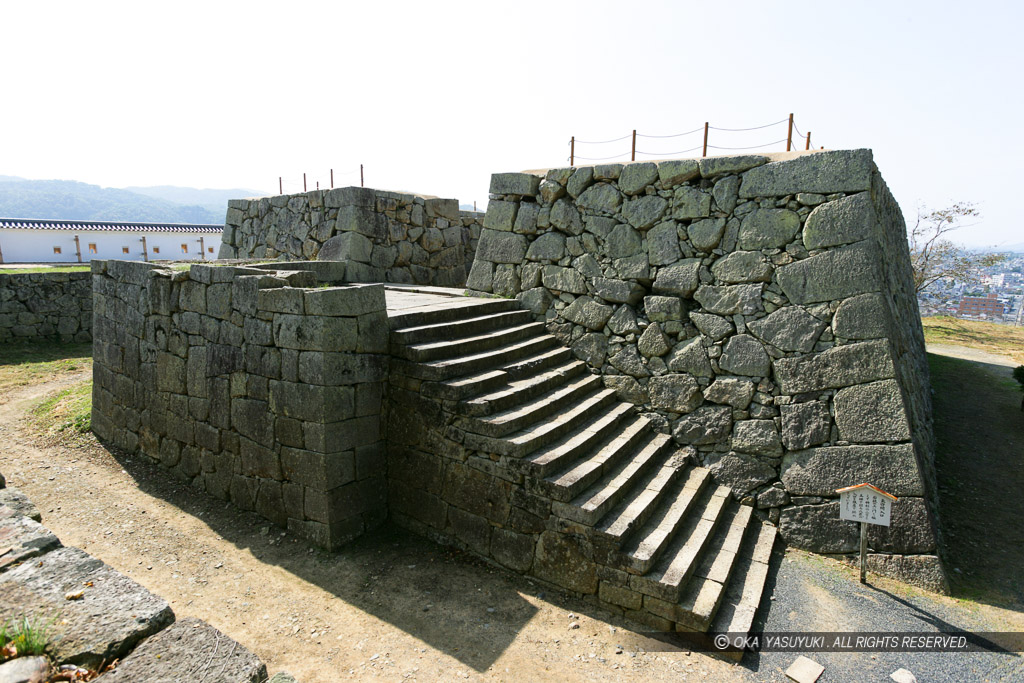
[[433, 97]]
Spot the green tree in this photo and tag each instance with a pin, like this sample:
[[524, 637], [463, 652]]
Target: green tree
[[934, 256]]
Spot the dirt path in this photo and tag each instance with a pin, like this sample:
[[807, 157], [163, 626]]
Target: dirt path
[[393, 606]]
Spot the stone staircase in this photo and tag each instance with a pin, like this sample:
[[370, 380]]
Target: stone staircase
[[667, 540]]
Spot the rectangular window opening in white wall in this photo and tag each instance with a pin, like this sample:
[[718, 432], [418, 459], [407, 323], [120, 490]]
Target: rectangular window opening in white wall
[[56, 250], [184, 249], [124, 250], [209, 249], [156, 250], [92, 247]]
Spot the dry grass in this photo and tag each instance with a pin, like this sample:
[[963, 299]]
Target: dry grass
[[1002, 339]]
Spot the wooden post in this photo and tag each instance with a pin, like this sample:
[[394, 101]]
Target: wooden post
[[202, 247], [1, 255], [304, 180], [633, 157], [863, 552], [572, 151], [808, 140], [145, 251], [474, 211], [318, 185], [280, 186], [789, 135], [78, 249], [361, 182], [332, 178], [705, 153]]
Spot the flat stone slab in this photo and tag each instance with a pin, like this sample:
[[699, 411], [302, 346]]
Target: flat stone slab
[[189, 650], [25, 670], [112, 614], [22, 538], [19, 502]]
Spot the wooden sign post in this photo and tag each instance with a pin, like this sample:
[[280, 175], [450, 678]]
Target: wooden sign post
[[866, 504]]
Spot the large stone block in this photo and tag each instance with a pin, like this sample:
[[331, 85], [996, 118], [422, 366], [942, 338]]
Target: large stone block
[[843, 221], [790, 329], [910, 529], [872, 413], [744, 355], [817, 528], [587, 312], [514, 183], [742, 266], [501, 247], [548, 247], [861, 317], [674, 393], [565, 560], [501, 216], [759, 437], [820, 471], [705, 425], [741, 473], [643, 212], [600, 198], [835, 274], [805, 424], [840, 366], [348, 246], [681, 279], [768, 229], [820, 172], [730, 299]]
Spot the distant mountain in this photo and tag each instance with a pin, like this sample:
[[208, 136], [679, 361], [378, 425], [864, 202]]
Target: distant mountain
[[213, 200], [70, 200]]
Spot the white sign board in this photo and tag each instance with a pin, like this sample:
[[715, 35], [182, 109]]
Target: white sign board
[[865, 505]]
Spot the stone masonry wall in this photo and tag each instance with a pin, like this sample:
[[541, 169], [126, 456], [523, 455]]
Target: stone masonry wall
[[758, 308], [260, 387], [37, 306], [386, 236]]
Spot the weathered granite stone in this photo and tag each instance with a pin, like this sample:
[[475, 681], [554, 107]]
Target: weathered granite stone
[[824, 172], [506, 281], [623, 242], [501, 247], [861, 317], [920, 570], [730, 391], [768, 228], [653, 342], [501, 215], [772, 498], [681, 279], [25, 670], [835, 274], [635, 177], [633, 267], [19, 503], [817, 528], [663, 244], [840, 366], [744, 355], [623, 321], [705, 235], [565, 560], [843, 221], [790, 329], [591, 348], [601, 197], [671, 173], [714, 326], [872, 413], [548, 247], [678, 393], [726, 193], [565, 217], [712, 166], [626, 388], [820, 471], [730, 299], [22, 538], [643, 212], [742, 266], [628, 361], [481, 276], [580, 180], [563, 279], [607, 171], [758, 437], [114, 614], [512, 549], [618, 291], [514, 183], [690, 202], [741, 473], [189, 646], [805, 424], [910, 529], [690, 357], [550, 191], [663, 308], [587, 312], [705, 425]]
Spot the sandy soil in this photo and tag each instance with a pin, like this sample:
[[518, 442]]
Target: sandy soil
[[393, 606]]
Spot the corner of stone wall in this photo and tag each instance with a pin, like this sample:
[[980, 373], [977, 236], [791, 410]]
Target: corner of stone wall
[[258, 387]]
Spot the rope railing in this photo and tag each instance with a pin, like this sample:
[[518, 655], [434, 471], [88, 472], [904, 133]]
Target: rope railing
[[790, 141], [308, 184]]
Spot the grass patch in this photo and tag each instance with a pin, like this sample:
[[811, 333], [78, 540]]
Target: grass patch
[[24, 637], [46, 269], [66, 415], [976, 334], [24, 364]]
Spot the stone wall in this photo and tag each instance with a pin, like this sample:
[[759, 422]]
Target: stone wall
[[37, 306], [261, 387], [758, 308], [386, 236]]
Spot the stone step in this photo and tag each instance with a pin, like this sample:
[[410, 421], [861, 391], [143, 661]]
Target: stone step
[[522, 390], [550, 429], [455, 347], [468, 307], [558, 455], [459, 328], [665, 492], [707, 586], [668, 578], [465, 386], [746, 585], [491, 359], [521, 368], [596, 501], [521, 417], [643, 548], [621, 444]]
